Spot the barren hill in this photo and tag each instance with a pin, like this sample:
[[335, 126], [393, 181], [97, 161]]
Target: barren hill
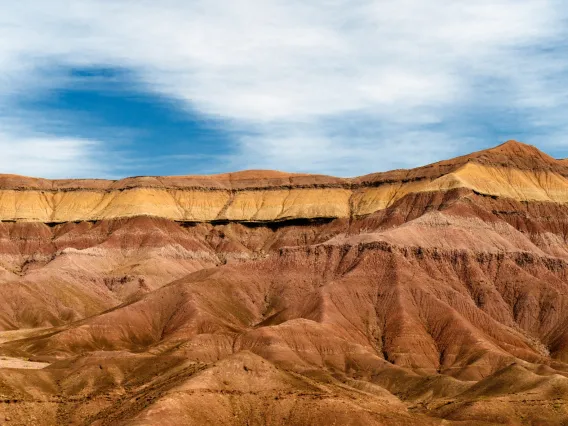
[[437, 294]]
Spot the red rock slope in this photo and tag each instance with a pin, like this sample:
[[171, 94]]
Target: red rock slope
[[407, 297]]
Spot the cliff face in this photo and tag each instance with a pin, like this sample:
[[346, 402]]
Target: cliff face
[[512, 170], [264, 297]]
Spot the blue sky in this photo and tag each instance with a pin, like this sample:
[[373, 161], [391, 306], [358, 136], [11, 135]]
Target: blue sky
[[122, 88], [145, 132]]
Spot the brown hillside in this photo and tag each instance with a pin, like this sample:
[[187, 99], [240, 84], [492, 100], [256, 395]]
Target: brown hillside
[[437, 295]]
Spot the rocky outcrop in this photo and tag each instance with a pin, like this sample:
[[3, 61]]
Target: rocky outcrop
[[405, 297], [514, 171]]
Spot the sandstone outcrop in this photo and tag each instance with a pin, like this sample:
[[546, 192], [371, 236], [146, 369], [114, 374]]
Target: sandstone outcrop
[[512, 170]]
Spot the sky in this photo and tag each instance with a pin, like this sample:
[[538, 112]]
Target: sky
[[108, 89]]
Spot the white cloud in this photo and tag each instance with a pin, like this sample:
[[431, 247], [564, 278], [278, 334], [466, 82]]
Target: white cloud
[[290, 72], [44, 156]]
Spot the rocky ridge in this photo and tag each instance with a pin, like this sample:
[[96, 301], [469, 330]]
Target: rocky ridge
[[512, 170], [438, 294]]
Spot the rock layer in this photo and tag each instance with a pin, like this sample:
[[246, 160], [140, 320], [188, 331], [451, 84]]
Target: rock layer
[[512, 170]]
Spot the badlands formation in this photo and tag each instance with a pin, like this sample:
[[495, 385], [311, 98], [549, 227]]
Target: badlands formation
[[431, 296]]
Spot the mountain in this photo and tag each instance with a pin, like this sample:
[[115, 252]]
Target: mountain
[[425, 296]]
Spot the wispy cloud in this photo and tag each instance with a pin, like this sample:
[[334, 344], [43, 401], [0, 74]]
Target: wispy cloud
[[344, 87], [42, 155]]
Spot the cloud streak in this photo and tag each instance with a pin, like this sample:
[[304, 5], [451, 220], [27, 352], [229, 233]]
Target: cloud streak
[[42, 155], [324, 86]]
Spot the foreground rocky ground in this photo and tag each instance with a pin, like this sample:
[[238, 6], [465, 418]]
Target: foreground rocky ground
[[430, 296]]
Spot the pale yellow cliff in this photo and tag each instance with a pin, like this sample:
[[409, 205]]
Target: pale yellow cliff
[[272, 196]]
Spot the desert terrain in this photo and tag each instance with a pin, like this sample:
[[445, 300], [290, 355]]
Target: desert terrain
[[431, 296]]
